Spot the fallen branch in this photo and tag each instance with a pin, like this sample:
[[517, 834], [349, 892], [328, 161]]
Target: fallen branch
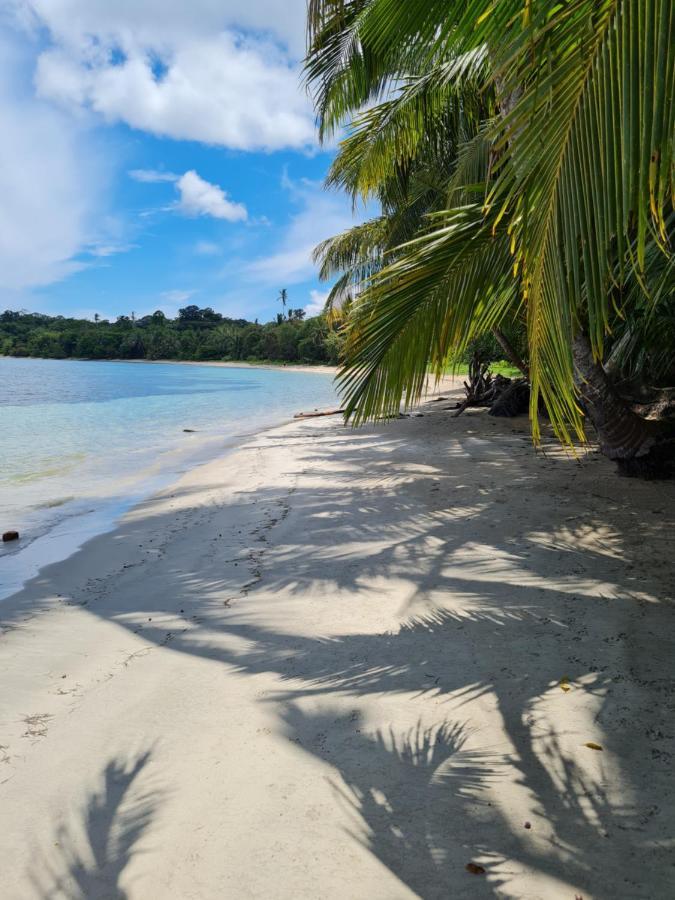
[[479, 385], [315, 415], [503, 396]]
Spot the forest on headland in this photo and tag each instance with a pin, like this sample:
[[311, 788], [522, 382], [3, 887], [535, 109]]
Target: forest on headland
[[195, 334]]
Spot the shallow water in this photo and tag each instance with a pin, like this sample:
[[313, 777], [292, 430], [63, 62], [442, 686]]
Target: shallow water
[[81, 439]]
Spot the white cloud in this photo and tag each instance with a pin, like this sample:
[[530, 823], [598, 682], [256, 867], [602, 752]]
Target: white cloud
[[316, 303], [108, 249], [165, 21], [50, 182], [207, 248], [177, 296], [201, 198], [197, 197], [321, 215], [152, 176], [216, 71]]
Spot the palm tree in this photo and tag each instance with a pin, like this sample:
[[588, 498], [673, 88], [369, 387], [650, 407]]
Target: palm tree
[[407, 196], [558, 196], [283, 297]]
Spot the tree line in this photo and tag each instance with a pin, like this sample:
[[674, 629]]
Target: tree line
[[195, 334]]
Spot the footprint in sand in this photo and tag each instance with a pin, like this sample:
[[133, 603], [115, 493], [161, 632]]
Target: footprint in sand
[[36, 725]]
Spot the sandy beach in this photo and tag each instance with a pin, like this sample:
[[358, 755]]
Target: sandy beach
[[290, 367], [345, 663]]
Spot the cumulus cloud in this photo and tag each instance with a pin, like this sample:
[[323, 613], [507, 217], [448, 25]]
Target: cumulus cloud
[[317, 301], [165, 22], [197, 197], [201, 198], [50, 180], [222, 73]]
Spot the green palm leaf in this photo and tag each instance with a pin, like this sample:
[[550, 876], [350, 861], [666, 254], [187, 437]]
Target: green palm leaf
[[587, 165], [562, 116], [446, 287]]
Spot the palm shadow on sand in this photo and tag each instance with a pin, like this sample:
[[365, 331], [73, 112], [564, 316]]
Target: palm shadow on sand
[[514, 633], [88, 856]]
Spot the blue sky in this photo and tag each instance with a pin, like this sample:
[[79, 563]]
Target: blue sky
[[157, 153]]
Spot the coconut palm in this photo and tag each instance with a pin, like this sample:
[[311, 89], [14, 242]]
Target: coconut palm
[[408, 194], [283, 299], [559, 203]]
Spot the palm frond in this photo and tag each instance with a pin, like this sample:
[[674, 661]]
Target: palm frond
[[559, 118], [443, 289], [358, 249], [587, 165]]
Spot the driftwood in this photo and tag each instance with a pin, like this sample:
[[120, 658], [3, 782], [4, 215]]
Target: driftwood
[[504, 396], [512, 400], [316, 415], [478, 386]]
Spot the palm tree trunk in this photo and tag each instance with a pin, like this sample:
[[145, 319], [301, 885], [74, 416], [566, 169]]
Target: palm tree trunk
[[510, 352], [622, 434]]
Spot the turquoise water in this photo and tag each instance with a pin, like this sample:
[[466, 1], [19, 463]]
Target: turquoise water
[[83, 438]]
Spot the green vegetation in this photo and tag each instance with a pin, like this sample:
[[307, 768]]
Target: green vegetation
[[497, 367], [196, 334], [522, 157]]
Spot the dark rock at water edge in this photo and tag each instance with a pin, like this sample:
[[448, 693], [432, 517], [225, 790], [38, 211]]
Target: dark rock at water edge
[[10, 536]]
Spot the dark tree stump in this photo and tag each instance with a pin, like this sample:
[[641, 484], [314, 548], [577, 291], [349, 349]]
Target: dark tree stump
[[513, 400]]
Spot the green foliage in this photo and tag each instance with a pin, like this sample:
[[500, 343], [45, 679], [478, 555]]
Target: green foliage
[[486, 347], [196, 334], [523, 157]]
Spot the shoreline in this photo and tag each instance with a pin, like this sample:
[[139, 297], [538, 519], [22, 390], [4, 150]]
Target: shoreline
[[52, 532], [334, 657], [281, 367], [277, 366], [23, 561]]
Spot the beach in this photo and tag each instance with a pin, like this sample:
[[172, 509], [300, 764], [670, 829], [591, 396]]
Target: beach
[[341, 663], [83, 440], [316, 368]]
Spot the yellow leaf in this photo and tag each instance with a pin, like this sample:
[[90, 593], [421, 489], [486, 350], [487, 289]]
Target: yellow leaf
[[565, 683], [592, 745], [484, 16]]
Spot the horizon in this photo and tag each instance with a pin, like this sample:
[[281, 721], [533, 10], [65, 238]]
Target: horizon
[[156, 158]]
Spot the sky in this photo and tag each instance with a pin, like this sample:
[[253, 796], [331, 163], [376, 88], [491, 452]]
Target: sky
[[158, 153]]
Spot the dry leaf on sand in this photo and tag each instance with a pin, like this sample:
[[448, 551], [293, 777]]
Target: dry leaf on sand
[[475, 869]]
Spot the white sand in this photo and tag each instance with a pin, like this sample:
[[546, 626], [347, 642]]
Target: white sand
[[327, 666], [240, 364]]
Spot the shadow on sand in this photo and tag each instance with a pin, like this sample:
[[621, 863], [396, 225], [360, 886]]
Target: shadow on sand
[[503, 599], [88, 856]]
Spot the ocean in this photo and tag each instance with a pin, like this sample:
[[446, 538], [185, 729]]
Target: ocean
[[81, 441]]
